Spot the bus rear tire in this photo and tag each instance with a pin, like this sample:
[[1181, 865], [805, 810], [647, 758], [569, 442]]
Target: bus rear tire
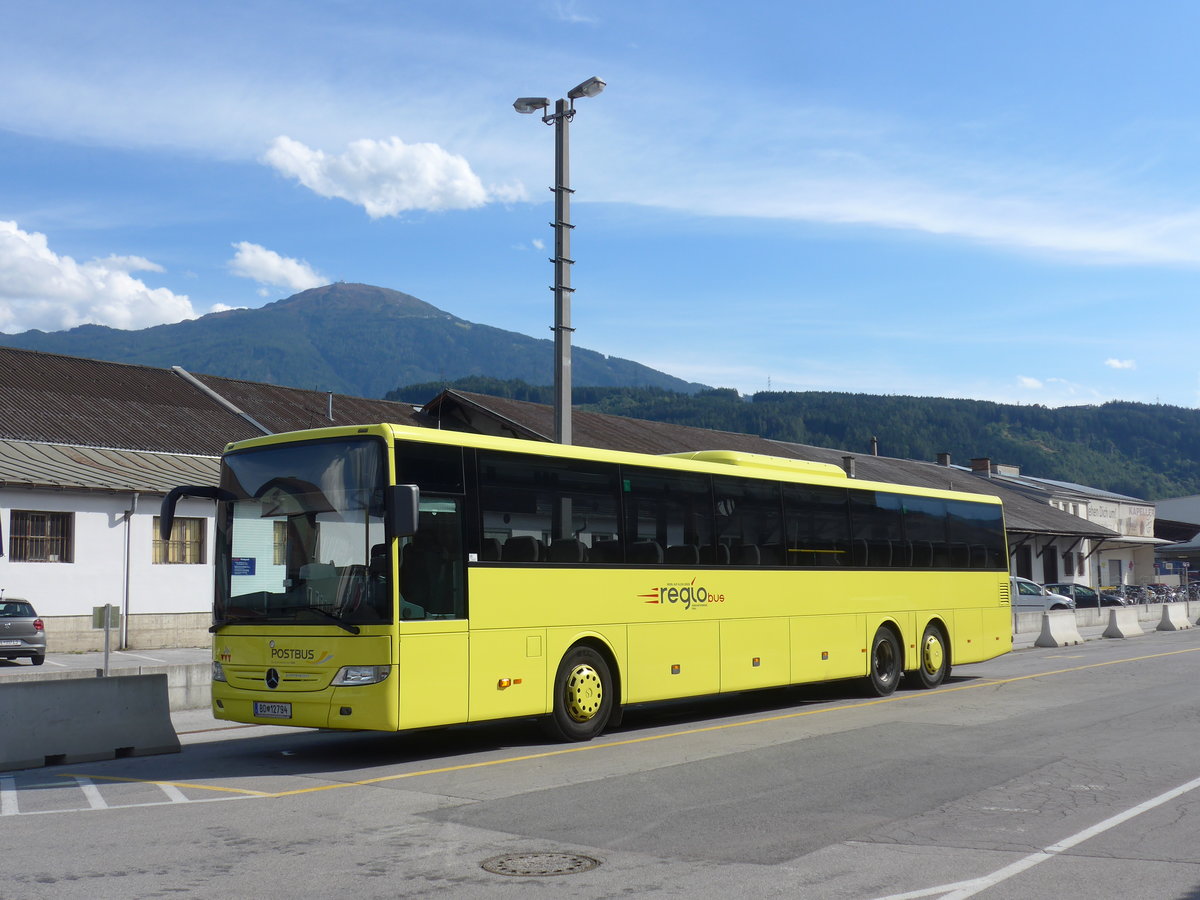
[[584, 697], [887, 662], [933, 664]]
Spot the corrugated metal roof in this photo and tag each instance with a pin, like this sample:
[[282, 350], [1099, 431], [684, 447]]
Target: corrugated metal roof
[[293, 409], [48, 398], [57, 466]]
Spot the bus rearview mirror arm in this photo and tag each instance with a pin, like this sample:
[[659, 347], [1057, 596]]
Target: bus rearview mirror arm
[[167, 513]]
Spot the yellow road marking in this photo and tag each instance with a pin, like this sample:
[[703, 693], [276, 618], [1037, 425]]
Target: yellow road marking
[[629, 742], [178, 784], [584, 748]]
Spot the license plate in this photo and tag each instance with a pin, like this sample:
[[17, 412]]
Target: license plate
[[273, 710], [10, 643]]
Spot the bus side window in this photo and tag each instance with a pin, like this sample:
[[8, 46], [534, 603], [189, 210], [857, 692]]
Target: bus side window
[[544, 510], [818, 526], [749, 520], [665, 510]]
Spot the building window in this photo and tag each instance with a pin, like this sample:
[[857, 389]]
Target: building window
[[186, 545], [41, 536]]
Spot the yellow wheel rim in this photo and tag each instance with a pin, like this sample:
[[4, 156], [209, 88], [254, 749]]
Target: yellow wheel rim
[[934, 655], [585, 693]]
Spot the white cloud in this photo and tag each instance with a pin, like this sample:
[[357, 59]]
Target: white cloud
[[269, 268], [388, 177], [1121, 363], [570, 11], [538, 244], [1030, 383], [40, 289]]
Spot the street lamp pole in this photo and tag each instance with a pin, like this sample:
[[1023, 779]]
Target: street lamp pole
[[564, 112]]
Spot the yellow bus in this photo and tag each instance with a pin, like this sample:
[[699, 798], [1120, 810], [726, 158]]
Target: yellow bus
[[388, 577]]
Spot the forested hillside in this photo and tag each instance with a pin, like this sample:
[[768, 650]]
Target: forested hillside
[[351, 338], [1130, 448]]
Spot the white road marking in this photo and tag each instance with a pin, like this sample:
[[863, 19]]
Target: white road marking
[[8, 797], [91, 792], [137, 656], [960, 890], [174, 793]]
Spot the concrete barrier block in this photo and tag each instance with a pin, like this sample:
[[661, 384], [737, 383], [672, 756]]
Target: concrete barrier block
[[84, 719], [1174, 617], [1059, 629], [1123, 623]]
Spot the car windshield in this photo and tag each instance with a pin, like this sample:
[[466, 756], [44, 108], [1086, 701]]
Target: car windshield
[[14, 609], [303, 542]]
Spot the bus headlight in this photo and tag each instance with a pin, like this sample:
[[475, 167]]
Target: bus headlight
[[218, 672], [351, 675]]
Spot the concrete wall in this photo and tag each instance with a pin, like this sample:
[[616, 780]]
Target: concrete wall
[[188, 685], [1148, 616], [85, 719], [75, 634]]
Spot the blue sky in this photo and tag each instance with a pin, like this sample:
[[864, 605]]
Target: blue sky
[[979, 199]]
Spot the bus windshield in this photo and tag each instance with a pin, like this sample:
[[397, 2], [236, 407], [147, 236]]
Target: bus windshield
[[303, 541]]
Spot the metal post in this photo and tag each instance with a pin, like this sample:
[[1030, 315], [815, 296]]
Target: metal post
[[564, 111], [562, 272], [107, 631]]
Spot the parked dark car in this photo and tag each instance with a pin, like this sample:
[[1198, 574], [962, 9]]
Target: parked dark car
[[22, 633], [1085, 597]]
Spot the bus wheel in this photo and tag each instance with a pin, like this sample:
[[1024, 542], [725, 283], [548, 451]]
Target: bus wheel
[[583, 695], [887, 659], [934, 664]]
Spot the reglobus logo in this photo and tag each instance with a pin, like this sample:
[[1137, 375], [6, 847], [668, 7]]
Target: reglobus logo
[[685, 593]]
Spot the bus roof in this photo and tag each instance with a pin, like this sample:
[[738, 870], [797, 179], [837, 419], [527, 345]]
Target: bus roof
[[717, 462]]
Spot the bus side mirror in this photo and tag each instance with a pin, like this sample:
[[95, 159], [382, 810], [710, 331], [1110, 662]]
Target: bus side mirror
[[403, 507]]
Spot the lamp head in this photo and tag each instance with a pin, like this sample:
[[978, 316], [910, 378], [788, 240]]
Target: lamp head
[[527, 105], [589, 88]]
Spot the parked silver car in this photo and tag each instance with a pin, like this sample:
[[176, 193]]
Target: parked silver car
[[22, 633], [1030, 596]]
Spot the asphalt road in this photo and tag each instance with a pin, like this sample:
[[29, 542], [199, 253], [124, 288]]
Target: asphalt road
[[1045, 774]]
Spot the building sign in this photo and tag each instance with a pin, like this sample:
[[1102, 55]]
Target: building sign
[[244, 565], [1137, 521]]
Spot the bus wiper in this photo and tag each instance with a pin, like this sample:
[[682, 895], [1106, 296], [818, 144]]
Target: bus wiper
[[336, 620], [239, 614]]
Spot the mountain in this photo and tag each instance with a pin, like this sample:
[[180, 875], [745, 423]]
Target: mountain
[[349, 338], [1136, 449]]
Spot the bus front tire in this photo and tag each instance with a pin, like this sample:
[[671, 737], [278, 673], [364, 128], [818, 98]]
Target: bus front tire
[[887, 661], [934, 663], [583, 696]]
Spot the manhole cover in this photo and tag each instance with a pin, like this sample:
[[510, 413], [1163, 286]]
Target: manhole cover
[[539, 864]]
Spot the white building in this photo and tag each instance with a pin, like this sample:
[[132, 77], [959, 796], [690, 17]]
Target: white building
[[80, 534], [89, 449]]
